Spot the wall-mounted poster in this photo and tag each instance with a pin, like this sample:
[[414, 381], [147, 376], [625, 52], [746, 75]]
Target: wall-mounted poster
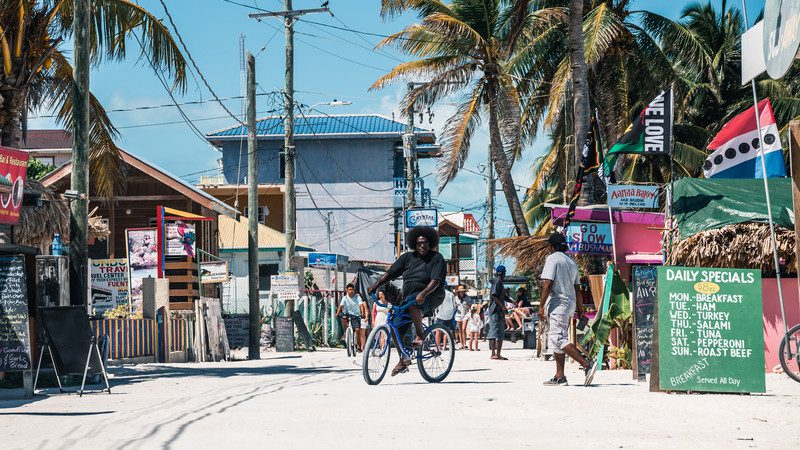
[[142, 261], [13, 168], [180, 239], [109, 284]]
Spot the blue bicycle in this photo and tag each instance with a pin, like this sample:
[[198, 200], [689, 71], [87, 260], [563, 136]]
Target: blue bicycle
[[434, 357]]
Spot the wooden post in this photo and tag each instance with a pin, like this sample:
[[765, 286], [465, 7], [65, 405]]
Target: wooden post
[[79, 179], [253, 346], [290, 222], [794, 158]]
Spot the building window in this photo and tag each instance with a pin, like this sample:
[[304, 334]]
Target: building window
[[47, 160], [264, 272], [465, 251], [263, 212], [282, 165]]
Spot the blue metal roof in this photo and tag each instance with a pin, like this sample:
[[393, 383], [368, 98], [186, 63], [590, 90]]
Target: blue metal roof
[[319, 125]]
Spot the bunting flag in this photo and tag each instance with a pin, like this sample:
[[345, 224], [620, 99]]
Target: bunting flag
[[650, 133], [591, 156], [738, 150]]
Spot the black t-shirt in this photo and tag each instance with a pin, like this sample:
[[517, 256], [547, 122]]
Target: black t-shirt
[[523, 301], [417, 271], [498, 290]]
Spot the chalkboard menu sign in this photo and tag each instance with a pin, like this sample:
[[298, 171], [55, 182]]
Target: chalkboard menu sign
[[15, 345], [237, 327], [284, 334], [644, 299], [710, 335]]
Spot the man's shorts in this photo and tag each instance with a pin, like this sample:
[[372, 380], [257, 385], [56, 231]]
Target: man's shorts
[[354, 320], [445, 323], [429, 306], [497, 327], [558, 332]]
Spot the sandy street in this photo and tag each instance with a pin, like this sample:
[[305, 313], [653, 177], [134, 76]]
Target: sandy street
[[320, 400]]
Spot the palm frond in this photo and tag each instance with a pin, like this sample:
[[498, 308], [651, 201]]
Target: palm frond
[[457, 136]]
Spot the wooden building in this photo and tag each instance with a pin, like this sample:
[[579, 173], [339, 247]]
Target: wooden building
[[145, 189]]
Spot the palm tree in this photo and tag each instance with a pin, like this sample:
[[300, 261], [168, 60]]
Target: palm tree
[[37, 74], [469, 46]]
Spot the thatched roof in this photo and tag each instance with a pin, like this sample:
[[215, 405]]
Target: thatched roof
[[38, 224], [528, 251], [743, 246]]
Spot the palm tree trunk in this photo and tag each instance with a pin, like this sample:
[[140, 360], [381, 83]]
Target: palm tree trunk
[[501, 165], [580, 90], [12, 105]]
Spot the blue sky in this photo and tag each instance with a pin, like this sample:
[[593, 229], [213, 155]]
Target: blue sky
[[330, 64]]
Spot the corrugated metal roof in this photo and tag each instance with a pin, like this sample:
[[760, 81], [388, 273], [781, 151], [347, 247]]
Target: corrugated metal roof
[[233, 236], [357, 124]]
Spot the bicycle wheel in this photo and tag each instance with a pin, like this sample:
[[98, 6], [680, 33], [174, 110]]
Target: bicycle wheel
[[349, 342], [376, 355], [436, 354], [790, 355]]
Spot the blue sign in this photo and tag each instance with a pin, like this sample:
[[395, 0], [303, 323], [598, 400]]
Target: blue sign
[[631, 196], [422, 217], [322, 260], [589, 238]]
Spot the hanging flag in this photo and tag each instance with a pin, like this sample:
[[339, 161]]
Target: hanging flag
[[737, 148], [650, 133], [591, 156]]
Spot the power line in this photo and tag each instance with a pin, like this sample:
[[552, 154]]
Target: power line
[[194, 64]]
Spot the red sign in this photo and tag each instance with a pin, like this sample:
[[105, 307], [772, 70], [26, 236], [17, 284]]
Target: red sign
[[13, 168]]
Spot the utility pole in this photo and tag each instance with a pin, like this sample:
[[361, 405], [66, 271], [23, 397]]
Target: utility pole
[[254, 344], [328, 269], [409, 143], [289, 200], [79, 179], [490, 218]]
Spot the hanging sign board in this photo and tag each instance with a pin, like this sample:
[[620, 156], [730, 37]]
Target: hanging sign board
[[589, 238], [181, 239], [142, 260], [781, 35], [214, 272], [284, 286], [427, 217], [109, 284], [322, 260], [15, 344], [710, 335], [632, 196], [13, 169]]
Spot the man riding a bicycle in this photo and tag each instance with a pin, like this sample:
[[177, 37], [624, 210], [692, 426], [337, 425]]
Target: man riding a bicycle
[[350, 311], [423, 270]]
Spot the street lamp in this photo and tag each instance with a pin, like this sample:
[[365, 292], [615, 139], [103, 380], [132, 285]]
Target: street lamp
[[333, 103]]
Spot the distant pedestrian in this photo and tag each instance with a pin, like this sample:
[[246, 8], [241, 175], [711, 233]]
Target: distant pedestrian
[[474, 326], [462, 315], [496, 313], [350, 310], [380, 313], [445, 314], [561, 283]]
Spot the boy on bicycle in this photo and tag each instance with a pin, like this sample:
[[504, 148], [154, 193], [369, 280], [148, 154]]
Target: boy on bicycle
[[350, 309]]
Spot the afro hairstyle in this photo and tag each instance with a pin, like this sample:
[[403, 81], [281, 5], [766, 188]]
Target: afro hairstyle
[[429, 233]]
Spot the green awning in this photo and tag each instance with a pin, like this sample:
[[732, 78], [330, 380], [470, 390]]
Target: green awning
[[708, 204]]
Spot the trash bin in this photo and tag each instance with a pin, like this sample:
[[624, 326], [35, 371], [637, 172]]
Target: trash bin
[[529, 334]]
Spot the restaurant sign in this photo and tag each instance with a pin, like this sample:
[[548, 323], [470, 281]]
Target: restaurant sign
[[589, 238], [631, 196]]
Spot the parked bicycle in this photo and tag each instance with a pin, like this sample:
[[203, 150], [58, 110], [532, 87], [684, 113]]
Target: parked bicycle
[[790, 353], [434, 359]]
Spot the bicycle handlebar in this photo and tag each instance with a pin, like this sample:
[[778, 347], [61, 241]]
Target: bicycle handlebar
[[397, 308]]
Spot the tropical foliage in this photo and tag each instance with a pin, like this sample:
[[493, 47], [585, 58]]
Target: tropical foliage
[[36, 72], [631, 55], [469, 47]]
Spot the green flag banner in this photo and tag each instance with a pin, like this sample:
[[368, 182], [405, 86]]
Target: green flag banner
[[616, 305], [650, 133]]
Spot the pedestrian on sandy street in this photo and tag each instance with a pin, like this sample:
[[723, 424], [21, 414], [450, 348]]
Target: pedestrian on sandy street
[[496, 314], [561, 283], [474, 326], [445, 316], [462, 315]]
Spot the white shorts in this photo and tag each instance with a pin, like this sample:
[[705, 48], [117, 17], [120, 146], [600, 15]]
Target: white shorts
[[558, 332]]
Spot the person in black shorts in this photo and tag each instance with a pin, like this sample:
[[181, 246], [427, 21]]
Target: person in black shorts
[[423, 270]]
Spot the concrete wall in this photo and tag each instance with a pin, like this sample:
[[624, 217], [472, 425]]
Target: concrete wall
[[353, 178], [773, 323]]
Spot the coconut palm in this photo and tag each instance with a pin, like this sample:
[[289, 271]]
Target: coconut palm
[[469, 46], [37, 75], [625, 68]]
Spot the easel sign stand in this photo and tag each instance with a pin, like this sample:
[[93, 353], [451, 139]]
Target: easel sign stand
[[72, 347]]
